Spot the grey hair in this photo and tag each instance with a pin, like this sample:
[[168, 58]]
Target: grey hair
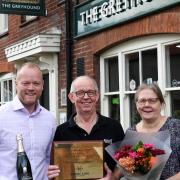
[[81, 77], [154, 87]]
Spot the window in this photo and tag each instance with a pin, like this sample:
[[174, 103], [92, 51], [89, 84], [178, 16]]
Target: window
[[126, 66], [134, 115], [173, 77], [149, 65], [112, 87], [140, 66], [132, 71], [7, 88], [114, 110], [175, 104], [111, 71], [172, 65], [3, 23]]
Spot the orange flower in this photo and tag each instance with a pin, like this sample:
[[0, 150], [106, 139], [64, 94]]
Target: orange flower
[[140, 150], [153, 161]]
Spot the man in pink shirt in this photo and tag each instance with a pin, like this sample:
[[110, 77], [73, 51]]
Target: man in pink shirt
[[26, 116]]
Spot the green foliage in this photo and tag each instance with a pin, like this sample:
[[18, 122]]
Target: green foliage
[[138, 145]]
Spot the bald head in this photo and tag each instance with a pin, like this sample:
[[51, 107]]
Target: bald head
[[83, 78], [26, 66]]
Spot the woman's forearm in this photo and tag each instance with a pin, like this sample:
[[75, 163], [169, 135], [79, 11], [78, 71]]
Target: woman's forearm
[[175, 177]]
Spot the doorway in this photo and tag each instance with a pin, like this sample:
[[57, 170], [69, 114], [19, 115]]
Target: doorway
[[44, 100]]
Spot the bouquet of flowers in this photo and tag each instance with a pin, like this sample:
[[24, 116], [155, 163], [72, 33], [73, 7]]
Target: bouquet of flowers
[[141, 155]]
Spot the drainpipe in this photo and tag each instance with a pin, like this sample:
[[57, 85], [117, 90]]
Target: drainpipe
[[68, 21]]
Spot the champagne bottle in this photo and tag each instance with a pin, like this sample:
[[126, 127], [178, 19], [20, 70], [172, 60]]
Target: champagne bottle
[[23, 165]]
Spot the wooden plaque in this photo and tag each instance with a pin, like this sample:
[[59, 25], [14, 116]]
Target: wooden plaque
[[79, 159]]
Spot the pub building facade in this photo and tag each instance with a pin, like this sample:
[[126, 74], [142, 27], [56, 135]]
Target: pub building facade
[[126, 43], [121, 43]]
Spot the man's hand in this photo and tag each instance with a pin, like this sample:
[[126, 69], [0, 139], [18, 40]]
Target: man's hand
[[53, 171]]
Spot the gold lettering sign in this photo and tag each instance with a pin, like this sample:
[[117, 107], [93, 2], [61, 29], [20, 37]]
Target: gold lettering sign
[[79, 159]]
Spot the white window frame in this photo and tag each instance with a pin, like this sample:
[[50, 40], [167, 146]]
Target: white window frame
[[3, 23], [144, 43]]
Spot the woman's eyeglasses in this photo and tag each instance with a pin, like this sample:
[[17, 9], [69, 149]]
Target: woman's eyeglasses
[[150, 101]]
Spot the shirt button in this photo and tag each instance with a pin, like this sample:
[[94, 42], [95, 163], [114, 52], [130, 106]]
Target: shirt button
[[85, 134]]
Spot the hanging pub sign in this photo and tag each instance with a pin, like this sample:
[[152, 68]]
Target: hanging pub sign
[[23, 7], [95, 15]]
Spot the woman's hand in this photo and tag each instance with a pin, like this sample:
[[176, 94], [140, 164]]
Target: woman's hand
[[53, 171], [109, 174]]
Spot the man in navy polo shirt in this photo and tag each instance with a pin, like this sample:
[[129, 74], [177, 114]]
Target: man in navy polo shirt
[[87, 123]]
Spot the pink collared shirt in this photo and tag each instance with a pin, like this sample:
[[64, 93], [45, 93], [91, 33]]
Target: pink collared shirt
[[38, 131]]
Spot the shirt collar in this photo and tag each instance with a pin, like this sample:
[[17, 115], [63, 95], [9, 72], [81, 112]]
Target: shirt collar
[[100, 122], [17, 105], [71, 120]]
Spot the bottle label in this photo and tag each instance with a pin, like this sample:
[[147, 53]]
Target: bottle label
[[26, 175]]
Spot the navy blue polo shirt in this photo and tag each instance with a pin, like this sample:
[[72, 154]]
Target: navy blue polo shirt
[[106, 129]]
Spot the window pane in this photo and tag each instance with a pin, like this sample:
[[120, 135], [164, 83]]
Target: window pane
[[134, 115], [111, 74], [149, 65], [10, 90], [175, 104], [172, 65], [5, 91], [3, 23], [132, 71], [114, 107]]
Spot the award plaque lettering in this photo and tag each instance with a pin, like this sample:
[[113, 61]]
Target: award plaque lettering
[[79, 159]]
